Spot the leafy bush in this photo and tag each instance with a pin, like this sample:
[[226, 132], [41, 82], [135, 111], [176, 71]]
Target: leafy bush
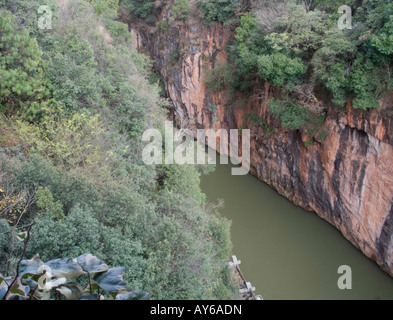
[[219, 77], [22, 85], [163, 25], [218, 10], [181, 9], [142, 9], [300, 31], [257, 120], [288, 43], [281, 70], [101, 6], [292, 116]]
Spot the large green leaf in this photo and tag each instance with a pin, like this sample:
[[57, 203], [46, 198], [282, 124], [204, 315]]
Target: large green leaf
[[18, 291], [47, 283], [65, 268], [91, 287], [33, 285], [2, 281], [71, 291], [30, 267], [134, 295], [112, 280], [91, 264], [93, 296]]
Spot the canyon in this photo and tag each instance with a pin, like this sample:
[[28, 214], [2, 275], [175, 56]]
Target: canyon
[[346, 178]]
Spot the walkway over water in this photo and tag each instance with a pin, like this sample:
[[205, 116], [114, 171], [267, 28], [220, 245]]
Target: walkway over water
[[247, 291]]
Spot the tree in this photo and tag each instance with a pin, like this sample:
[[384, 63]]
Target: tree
[[22, 86], [181, 9], [101, 6], [142, 9], [292, 116], [300, 31], [222, 11], [381, 20], [281, 70]]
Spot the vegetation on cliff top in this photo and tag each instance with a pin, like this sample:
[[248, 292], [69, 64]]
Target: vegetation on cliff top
[[298, 48], [210, 11]]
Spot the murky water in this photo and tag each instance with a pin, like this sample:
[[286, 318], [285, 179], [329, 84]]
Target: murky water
[[287, 252]]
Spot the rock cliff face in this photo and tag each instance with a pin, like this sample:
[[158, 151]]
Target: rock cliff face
[[347, 178]]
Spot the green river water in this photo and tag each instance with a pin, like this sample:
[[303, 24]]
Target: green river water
[[287, 252]]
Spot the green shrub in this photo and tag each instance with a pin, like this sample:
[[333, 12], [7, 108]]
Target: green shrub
[[218, 78], [218, 10], [163, 25], [22, 86], [281, 70], [181, 9], [292, 116], [101, 6], [46, 204], [141, 8], [288, 43]]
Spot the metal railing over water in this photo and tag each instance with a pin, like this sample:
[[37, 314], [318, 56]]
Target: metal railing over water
[[246, 290]]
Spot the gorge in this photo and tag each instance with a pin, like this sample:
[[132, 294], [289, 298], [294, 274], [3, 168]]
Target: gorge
[[83, 93], [346, 178]]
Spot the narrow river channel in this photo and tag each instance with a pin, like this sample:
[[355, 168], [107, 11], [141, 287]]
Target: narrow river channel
[[287, 252]]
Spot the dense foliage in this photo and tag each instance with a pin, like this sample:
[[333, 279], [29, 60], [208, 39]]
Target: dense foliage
[[210, 11], [181, 9], [146, 10], [73, 107], [218, 10], [299, 49]]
